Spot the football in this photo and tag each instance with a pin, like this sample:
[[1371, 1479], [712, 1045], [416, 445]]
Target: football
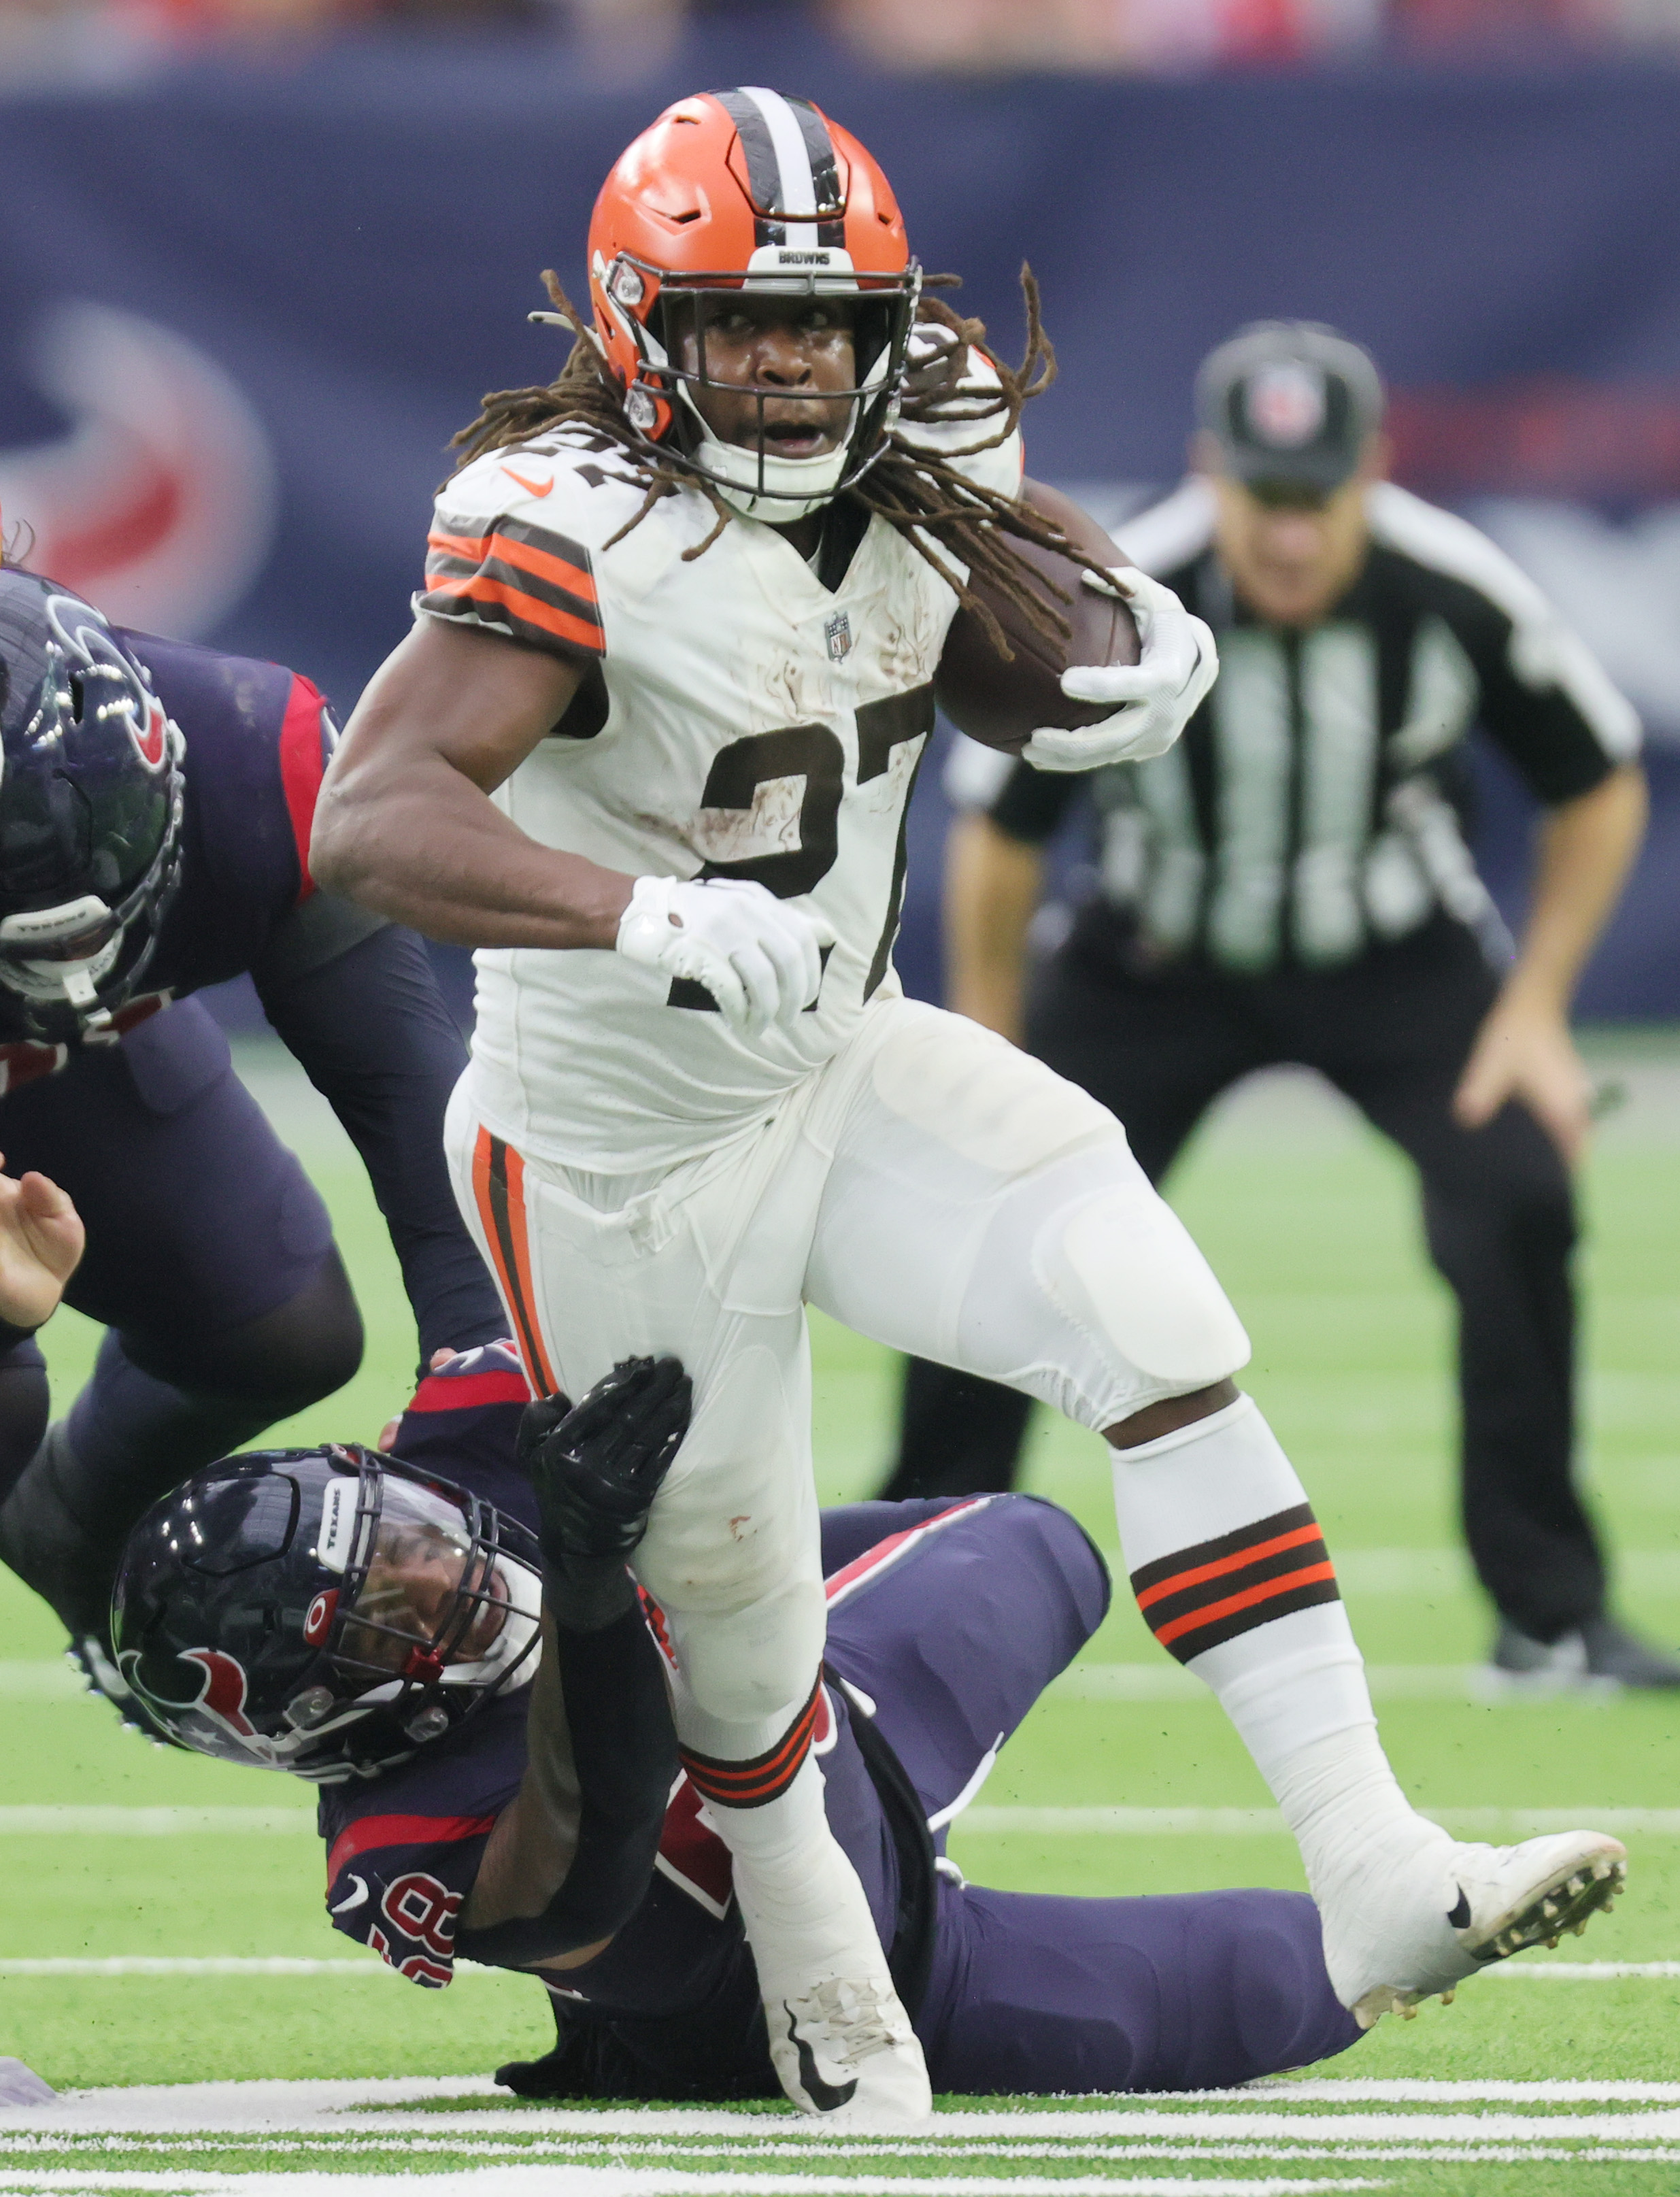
[[1002, 704]]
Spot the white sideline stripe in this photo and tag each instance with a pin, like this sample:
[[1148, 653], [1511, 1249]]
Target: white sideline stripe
[[661, 2182], [1266, 1823], [55, 1820]]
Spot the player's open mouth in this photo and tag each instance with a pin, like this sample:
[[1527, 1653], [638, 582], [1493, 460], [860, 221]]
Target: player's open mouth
[[801, 438]]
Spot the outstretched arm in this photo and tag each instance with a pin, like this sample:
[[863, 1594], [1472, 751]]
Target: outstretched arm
[[572, 1856], [1524, 1050]]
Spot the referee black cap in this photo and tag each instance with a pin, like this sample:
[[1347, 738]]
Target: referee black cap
[[1290, 403]]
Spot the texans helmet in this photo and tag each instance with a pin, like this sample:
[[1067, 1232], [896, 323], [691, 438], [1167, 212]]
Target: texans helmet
[[748, 190], [92, 789], [324, 1611]]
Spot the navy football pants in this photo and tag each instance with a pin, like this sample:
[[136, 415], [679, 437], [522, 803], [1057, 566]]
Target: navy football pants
[[209, 1260], [955, 1642]]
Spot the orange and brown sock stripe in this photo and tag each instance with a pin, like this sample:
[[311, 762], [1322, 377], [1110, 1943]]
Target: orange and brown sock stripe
[[1198, 1598], [499, 1192], [766, 1777]]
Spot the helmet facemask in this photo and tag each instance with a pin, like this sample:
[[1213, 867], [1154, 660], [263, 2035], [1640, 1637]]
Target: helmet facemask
[[749, 475], [324, 1612]]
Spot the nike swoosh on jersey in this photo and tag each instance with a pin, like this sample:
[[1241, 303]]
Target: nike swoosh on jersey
[[531, 487], [351, 1899], [826, 2097]]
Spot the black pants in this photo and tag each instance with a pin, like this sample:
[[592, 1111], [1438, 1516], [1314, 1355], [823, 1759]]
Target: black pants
[[1393, 1031]]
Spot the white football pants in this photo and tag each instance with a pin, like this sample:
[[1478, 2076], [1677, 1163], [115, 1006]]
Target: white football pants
[[931, 1187]]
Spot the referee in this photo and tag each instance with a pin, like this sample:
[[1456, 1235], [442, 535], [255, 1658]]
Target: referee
[[1293, 882]]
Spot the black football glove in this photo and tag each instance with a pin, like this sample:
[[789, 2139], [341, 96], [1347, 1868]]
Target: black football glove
[[596, 1468]]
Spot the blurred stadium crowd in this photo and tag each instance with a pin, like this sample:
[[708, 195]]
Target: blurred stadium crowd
[[972, 36]]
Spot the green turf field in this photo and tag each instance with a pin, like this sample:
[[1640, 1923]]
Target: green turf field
[[1125, 1779]]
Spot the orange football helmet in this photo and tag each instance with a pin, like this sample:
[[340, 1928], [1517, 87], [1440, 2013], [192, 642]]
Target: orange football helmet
[[750, 190]]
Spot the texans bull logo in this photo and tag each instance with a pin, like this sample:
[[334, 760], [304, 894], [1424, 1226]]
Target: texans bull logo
[[216, 1713], [158, 504]]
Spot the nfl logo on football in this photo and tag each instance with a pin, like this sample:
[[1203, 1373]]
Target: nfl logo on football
[[838, 633]]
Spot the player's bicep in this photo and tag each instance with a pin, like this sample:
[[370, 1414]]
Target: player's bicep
[[461, 694]]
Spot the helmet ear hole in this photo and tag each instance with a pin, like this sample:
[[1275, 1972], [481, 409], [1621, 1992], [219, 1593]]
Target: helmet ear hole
[[78, 696]]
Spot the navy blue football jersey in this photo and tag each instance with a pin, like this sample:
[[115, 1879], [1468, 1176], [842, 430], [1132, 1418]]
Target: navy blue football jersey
[[259, 739]]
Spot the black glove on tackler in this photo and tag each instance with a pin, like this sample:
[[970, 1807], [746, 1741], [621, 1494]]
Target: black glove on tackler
[[595, 1470]]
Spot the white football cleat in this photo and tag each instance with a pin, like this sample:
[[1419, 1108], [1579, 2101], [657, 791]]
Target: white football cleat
[[845, 2054], [1470, 1906]]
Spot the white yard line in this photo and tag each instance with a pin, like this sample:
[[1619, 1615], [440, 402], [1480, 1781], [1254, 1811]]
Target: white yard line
[[662, 2182], [810, 2148], [1244, 2119], [287, 1964], [38, 1680], [390, 2101], [58, 1820], [1266, 1823], [52, 1820], [232, 1964], [1167, 1682]]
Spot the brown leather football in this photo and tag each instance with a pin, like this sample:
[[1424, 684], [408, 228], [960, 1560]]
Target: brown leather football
[[1002, 704]]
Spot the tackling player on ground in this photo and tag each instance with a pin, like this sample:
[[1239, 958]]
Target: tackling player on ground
[[649, 748], [537, 1827]]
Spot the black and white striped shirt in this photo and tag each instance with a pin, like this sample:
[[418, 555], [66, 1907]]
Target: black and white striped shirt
[[1317, 801]]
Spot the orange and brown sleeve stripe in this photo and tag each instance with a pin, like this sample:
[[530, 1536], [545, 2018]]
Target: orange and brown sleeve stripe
[[499, 1192], [1198, 1598], [520, 579], [765, 1777]]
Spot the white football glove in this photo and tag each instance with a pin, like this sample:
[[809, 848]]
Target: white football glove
[[1154, 698], [759, 957]]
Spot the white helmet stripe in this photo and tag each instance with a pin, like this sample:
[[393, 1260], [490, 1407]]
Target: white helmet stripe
[[798, 192]]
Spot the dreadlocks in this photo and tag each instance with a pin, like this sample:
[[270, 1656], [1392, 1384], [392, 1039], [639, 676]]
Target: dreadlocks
[[948, 519]]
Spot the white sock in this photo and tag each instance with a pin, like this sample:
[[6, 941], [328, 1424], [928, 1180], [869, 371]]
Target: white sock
[[806, 1915], [1217, 1531]]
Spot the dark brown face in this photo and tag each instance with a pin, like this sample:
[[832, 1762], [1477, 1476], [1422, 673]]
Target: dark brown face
[[774, 360], [410, 1585]]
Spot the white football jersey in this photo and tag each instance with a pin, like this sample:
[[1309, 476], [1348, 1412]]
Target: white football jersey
[[738, 720]]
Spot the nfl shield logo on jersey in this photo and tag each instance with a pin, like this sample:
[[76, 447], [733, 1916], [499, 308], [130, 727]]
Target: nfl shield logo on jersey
[[838, 633]]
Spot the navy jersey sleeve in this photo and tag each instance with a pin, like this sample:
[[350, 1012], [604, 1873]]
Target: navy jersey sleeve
[[402, 1851], [369, 1027], [464, 1422], [353, 998]]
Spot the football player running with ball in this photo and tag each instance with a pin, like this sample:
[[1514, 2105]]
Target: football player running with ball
[[648, 748]]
